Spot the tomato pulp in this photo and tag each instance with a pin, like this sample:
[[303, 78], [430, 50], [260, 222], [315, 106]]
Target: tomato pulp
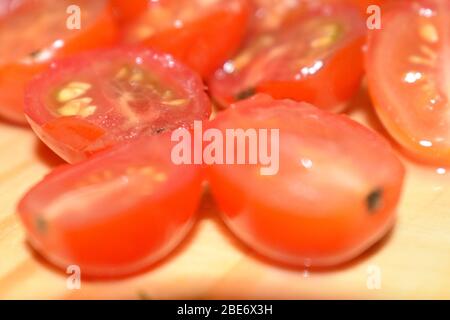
[[335, 192]]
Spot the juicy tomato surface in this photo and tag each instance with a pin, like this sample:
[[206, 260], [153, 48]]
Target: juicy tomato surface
[[316, 57], [408, 71], [335, 192], [91, 101], [116, 213], [33, 33], [201, 33]]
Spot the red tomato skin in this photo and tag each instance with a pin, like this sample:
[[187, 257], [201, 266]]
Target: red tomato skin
[[126, 11], [74, 138], [15, 76], [316, 238], [126, 240]]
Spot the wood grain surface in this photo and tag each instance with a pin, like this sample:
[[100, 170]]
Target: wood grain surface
[[413, 261]]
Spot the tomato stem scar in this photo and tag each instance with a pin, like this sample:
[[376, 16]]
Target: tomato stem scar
[[41, 225], [374, 200], [244, 94]]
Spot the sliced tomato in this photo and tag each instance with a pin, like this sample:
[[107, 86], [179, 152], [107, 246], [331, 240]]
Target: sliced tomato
[[94, 100], [33, 33], [317, 59], [410, 87], [116, 213], [334, 193], [202, 34]]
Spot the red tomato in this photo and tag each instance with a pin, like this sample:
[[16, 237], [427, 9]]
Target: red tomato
[[202, 34], [333, 196], [408, 68], [364, 4], [128, 10], [116, 213], [34, 32], [317, 59], [91, 101]]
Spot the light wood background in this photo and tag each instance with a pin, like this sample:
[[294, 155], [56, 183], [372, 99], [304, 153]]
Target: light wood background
[[413, 261]]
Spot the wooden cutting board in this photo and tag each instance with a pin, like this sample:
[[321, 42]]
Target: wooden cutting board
[[413, 261]]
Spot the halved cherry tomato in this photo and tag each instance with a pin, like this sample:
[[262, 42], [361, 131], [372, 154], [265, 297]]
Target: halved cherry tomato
[[335, 192], [128, 10], [202, 34], [317, 59], [408, 66], [116, 213], [34, 32], [94, 100]]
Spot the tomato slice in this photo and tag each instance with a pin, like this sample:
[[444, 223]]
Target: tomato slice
[[317, 59], [411, 89], [335, 192], [94, 100], [201, 33], [116, 213], [33, 33]]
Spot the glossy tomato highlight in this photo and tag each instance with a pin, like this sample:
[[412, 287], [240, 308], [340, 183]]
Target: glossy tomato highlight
[[33, 33], [94, 100], [114, 214], [335, 192]]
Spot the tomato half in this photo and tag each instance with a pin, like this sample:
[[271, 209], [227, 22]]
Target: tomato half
[[116, 213], [94, 100], [317, 59], [202, 34], [408, 66], [334, 193], [34, 32]]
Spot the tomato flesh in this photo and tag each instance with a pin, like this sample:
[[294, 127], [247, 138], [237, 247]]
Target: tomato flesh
[[334, 195], [33, 33], [202, 34], [411, 89], [116, 213], [92, 101], [317, 59]]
